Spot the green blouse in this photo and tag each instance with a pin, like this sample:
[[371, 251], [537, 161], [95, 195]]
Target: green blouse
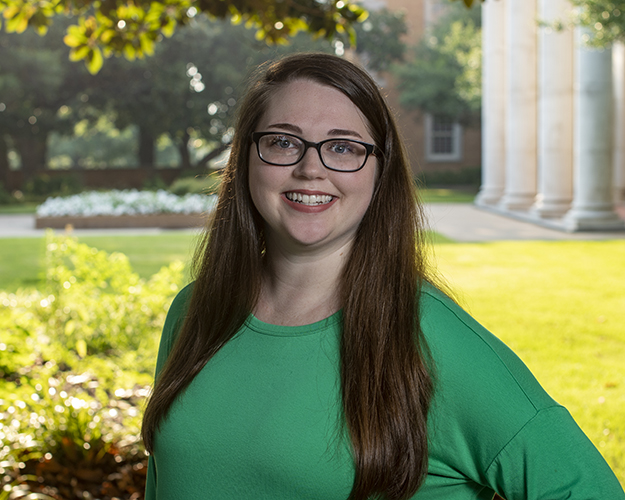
[[261, 420]]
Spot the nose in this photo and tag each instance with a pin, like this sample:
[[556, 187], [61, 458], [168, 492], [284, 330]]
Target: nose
[[310, 166]]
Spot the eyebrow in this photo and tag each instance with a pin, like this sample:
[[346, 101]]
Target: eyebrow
[[335, 132]]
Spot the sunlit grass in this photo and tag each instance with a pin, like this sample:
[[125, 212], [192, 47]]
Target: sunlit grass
[[18, 208], [441, 195], [22, 259], [561, 307]]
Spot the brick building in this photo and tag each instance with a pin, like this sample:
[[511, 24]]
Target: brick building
[[434, 144]]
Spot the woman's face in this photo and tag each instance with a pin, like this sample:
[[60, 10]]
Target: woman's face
[[306, 207]]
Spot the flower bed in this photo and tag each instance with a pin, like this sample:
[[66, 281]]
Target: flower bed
[[128, 208]]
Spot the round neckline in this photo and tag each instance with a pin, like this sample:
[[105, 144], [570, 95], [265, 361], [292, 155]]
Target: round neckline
[[258, 326]]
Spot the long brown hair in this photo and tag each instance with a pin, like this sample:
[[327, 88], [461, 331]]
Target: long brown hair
[[386, 377]]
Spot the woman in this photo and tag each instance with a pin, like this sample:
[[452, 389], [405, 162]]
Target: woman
[[313, 357]]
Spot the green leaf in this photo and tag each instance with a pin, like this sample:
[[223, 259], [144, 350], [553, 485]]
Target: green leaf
[[129, 52], [79, 53], [168, 29], [81, 348], [72, 39], [95, 60], [17, 24]]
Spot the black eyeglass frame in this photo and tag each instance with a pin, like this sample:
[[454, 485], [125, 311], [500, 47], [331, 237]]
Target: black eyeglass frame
[[371, 149]]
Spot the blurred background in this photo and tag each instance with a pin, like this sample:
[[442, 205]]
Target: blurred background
[[168, 116], [116, 115]]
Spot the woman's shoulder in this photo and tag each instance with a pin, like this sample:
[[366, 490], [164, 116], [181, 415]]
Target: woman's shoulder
[[489, 414], [471, 359], [180, 303], [178, 311], [175, 317]]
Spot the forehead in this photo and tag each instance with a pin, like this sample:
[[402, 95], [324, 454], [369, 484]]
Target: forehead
[[313, 107]]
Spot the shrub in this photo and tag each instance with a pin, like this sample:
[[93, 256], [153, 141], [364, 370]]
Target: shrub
[[5, 196], [44, 185], [75, 363], [207, 184], [469, 176], [154, 183]]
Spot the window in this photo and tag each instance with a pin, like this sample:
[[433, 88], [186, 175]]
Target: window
[[443, 139]]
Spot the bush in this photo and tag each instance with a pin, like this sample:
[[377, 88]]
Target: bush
[[470, 176], [5, 196], [77, 360], [52, 185], [154, 183], [208, 184]]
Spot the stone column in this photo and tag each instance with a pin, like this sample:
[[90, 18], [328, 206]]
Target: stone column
[[618, 69], [555, 112], [521, 110], [493, 102], [593, 203]]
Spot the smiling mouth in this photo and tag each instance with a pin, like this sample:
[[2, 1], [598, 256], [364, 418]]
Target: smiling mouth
[[309, 199]]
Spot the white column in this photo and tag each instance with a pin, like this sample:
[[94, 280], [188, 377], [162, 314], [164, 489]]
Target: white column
[[555, 112], [521, 111], [493, 102], [618, 69], [593, 204]]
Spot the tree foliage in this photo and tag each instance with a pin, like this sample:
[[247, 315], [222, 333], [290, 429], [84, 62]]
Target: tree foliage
[[186, 91], [469, 3], [132, 28], [604, 19], [36, 81], [444, 78], [380, 39]]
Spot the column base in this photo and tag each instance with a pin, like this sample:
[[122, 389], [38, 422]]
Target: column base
[[488, 196], [517, 201], [592, 220], [551, 209]]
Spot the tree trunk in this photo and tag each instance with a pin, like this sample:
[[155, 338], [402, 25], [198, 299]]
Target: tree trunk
[[4, 162], [146, 148], [213, 154], [183, 149], [33, 150]]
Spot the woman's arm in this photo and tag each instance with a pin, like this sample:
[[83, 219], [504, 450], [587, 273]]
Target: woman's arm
[[552, 459]]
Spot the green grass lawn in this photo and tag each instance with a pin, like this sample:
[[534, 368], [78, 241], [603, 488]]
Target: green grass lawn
[[440, 195], [559, 305], [22, 259], [19, 208]]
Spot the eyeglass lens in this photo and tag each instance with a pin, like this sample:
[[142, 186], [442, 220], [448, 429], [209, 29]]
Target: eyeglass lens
[[285, 149]]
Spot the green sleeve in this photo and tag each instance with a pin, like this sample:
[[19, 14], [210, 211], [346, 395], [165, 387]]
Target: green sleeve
[[491, 423], [150, 483], [173, 322], [551, 458]]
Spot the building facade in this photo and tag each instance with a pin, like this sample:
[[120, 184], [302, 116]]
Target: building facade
[[433, 143], [553, 119]]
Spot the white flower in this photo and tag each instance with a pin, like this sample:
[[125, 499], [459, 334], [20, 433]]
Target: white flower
[[126, 202]]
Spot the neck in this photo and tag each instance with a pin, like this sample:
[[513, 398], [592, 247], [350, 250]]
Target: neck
[[300, 289]]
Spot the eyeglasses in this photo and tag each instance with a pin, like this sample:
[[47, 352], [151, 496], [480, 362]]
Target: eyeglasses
[[341, 155]]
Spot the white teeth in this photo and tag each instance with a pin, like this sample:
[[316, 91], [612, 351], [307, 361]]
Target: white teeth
[[311, 200]]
